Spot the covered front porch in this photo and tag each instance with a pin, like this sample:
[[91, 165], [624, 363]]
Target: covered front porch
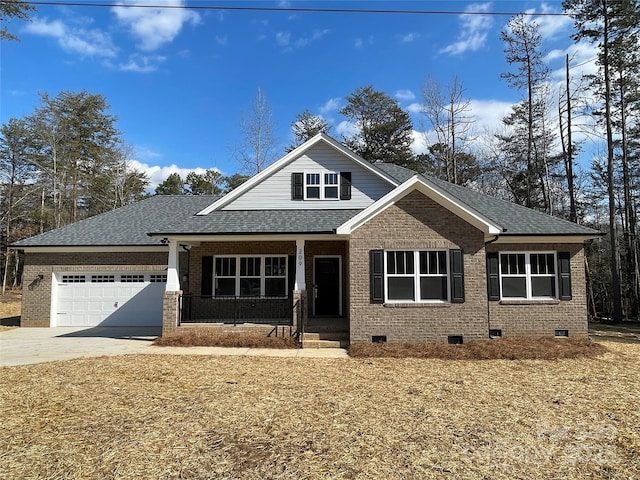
[[298, 286]]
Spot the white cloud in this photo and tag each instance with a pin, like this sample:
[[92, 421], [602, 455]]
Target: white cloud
[[409, 37], [474, 29], [405, 95], [221, 40], [146, 153], [488, 114], [283, 38], [550, 26], [158, 174], [346, 129], [582, 58], [414, 107], [142, 63], [78, 40], [419, 144], [331, 105], [360, 42], [155, 26], [318, 34]]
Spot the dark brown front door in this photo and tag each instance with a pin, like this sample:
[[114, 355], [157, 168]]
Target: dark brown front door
[[327, 285]]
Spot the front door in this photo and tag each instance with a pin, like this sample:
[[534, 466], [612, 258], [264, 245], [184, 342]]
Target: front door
[[326, 286]]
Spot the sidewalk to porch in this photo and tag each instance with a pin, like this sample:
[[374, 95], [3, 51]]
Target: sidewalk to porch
[[251, 352]]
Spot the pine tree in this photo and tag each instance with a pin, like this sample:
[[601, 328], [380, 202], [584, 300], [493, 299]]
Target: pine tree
[[384, 129]]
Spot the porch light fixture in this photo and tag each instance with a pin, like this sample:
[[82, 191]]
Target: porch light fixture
[[36, 282]]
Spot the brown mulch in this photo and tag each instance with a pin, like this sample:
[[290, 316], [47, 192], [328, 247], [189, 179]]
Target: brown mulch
[[499, 349], [193, 417]]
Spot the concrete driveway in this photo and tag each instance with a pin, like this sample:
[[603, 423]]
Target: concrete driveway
[[23, 346]]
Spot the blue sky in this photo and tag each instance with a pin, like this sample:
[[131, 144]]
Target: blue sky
[[179, 79]]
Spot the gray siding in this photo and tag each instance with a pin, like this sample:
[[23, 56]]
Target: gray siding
[[275, 191]]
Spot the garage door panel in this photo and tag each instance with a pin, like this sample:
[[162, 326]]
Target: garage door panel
[[109, 303]]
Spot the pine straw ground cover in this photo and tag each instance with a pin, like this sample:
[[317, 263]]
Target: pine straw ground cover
[[498, 349], [215, 338], [192, 417]]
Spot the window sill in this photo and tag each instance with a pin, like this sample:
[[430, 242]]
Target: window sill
[[416, 305], [530, 302]]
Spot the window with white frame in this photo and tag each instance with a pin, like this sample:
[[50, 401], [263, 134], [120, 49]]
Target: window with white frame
[[250, 276], [322, 186], [525, 275], [312, 186], [331, 183], [417, 276]]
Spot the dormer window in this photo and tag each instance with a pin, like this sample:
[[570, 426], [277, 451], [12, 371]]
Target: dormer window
[[331, 185], [312, 186], [321, 186]]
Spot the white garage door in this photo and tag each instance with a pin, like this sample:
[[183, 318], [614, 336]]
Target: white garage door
[[109, 299]]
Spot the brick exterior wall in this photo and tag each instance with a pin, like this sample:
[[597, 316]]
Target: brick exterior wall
[[417, 222], [170, 311], [39, 269], [535, 318]]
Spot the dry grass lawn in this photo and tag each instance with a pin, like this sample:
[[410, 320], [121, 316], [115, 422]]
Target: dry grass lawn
[[10, 308], [257, 418]]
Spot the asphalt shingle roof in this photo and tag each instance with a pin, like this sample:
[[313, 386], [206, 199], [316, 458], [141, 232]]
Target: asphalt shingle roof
[[515, 219], [127, 225], [260, 221], [132, 224]]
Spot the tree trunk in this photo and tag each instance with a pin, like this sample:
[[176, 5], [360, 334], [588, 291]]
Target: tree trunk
[[615, 272], [573, 214]]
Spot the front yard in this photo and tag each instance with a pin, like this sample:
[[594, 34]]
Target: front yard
[[256, 418]]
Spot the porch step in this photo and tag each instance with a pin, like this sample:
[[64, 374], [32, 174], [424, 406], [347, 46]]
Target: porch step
[[320, 340]]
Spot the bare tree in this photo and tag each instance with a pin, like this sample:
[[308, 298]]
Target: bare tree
[[529, 138], [258, 144], [446, 115]]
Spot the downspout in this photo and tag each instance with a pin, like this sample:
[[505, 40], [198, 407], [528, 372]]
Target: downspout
[[486, 275]]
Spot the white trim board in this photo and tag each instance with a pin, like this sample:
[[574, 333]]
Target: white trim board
[[433, 192]]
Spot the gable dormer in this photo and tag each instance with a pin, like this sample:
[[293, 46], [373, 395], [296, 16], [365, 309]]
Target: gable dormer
[[320, 174]]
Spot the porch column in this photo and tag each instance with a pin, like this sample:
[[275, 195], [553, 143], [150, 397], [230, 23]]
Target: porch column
[[301, 283], [173, 280]]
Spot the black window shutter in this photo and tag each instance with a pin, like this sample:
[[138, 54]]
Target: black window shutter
[[296, 186], [345, 185], [376, 271], [564, 270], [457, 276], [493, 276], [206, 287]]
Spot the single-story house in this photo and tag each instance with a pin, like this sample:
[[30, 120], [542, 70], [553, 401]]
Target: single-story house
[[321, 237]]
